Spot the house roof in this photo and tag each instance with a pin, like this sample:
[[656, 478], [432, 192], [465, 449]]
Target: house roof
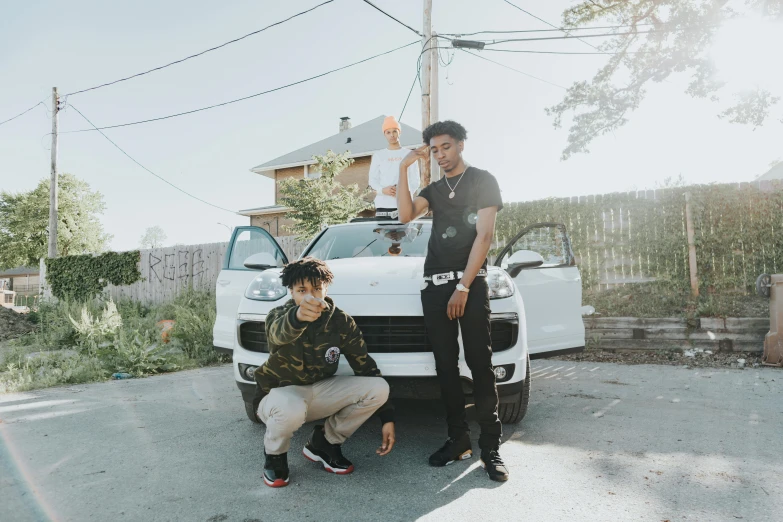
[[365, 138], [261, 211], [775, 172], [19, 271]]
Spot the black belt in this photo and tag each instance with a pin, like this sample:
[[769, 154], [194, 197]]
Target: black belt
[[394, 214]]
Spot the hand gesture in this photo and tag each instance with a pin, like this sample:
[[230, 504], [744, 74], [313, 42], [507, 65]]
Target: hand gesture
[[391, 190], [415, 155], [456, 306], [387, 442], [310, 309]]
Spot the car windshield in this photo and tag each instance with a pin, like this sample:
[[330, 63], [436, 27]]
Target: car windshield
[[372, 240]]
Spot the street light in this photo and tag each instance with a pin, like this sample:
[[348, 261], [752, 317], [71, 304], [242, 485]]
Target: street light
[[228, 227]]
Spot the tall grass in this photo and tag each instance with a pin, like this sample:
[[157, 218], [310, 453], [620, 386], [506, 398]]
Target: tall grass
[[80, 342]]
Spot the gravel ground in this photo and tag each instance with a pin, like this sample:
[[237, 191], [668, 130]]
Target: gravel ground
[[690, 358]]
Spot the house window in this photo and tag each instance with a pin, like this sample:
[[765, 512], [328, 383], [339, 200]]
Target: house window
[[311, 172], [9, 298]]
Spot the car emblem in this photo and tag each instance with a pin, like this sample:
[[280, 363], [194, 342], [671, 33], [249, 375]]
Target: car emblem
[[374, 283]]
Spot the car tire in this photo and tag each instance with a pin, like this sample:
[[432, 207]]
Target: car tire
[[251, 412], [513, 412]]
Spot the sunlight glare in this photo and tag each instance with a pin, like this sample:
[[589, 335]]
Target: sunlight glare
[[745, 53]]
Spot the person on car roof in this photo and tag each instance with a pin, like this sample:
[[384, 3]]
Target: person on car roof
[[385, 169], [306, 337]]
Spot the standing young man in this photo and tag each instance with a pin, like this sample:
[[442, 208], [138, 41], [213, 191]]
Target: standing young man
[[385, 169], [306, 337], [464, 204]]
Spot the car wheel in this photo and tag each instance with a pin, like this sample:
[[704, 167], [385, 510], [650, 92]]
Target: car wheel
[[513, 412], [251, 412]]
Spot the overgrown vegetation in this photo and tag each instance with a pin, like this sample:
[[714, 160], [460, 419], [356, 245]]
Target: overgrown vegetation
[[88, 341], [83, 277]]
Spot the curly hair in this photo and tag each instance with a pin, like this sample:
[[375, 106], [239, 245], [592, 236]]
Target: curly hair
[[439, 128], [306, 269]]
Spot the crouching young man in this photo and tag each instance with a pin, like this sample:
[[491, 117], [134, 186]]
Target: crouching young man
[[306, 337]]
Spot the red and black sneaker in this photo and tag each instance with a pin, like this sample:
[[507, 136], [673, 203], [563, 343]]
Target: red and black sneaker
[[318, 449], [276, 470]]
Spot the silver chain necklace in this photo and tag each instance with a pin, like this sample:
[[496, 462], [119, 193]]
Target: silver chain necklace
[[446, 179]]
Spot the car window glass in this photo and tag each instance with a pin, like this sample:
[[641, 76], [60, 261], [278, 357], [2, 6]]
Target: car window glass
[[548, 241], [372, 240], [249, 242]]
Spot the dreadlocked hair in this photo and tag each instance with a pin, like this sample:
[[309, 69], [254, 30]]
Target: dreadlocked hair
[[449, 127], [306, 269]]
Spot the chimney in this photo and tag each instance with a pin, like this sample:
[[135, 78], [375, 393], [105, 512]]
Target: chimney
[[345, 123]]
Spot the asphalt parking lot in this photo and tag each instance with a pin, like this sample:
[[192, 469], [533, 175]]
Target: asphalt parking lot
[[600, 442]]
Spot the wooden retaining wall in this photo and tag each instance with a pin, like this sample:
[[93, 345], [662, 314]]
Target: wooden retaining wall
[[638, 333]]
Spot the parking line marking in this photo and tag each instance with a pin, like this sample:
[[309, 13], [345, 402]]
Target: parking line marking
[[594, 369], [600, 413], [569, 374]]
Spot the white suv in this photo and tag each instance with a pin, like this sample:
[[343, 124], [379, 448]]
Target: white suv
[[535, 298]]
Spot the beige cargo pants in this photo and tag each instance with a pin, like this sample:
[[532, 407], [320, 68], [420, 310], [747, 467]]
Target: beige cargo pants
[[345, 401]]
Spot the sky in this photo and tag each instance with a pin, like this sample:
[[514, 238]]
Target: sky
[[209, 154]]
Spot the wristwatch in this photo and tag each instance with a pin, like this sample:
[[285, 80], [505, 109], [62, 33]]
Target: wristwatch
[[462, 288]]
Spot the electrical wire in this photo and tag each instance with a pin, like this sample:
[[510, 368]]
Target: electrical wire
[[570, 30], [547, 23], [515, 70], [393, 18], [145, 168], [409, 95], [495, 42], [558, 52], [41, 103], [202, 52], [244, 97]]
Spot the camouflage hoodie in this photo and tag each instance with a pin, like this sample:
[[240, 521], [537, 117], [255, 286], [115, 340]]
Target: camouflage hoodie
[[302, 353]]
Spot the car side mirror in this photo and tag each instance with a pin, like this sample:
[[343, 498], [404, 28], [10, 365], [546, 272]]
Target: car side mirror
[[261, 261], [523, 259]]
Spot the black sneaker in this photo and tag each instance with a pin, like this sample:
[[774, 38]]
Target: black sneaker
[[318, 449], [454, 450], [492, 462], [276, 470]]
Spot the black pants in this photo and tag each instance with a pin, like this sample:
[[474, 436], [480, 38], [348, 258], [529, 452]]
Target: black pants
[[477, 345]]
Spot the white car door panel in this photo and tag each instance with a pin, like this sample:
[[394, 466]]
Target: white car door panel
[[540, 261], [234, 278]]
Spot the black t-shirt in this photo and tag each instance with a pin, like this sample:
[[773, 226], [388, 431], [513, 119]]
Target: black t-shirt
[[454, 220]]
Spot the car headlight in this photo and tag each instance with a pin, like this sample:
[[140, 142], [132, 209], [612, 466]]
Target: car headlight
[[500, 284], [266, 287]]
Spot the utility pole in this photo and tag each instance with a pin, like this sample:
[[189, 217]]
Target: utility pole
[[426, 75], [435, 168], [53, 181]]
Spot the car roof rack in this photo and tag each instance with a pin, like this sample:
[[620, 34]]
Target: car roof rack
[[381, 218]]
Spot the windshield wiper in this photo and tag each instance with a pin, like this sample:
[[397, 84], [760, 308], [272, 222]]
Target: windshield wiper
[[365, 248]]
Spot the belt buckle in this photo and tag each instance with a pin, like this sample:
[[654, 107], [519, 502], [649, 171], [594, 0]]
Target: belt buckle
[[442, 279]]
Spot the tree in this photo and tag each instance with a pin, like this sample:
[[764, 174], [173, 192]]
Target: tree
[[153, 237], [657, 39], [324, 200], [24, 222]]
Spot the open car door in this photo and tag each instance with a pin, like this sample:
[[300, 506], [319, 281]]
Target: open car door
[[235, 277], [542, 265]]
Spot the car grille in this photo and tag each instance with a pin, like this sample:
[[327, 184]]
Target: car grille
[[252, 336], [386, 335]]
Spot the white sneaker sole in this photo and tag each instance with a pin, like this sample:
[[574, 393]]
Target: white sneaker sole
[[312, 457], [465, 456]]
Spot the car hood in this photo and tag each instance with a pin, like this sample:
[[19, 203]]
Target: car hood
[[377, 276]]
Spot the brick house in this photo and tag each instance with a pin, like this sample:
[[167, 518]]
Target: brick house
[[361, 140], [22, 280]]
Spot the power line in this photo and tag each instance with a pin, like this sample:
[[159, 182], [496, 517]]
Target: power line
[[25, 112], [570, 30], [145, 168], [409, 95], [245, 97], [202, 52], [547, 23], [515, 70], [393, 18], [495, 42], [557, 52]]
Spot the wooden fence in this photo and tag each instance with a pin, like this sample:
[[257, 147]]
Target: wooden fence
[[167, 272]]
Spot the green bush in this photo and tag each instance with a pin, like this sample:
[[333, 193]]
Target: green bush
[[84, 277], [90, 340]]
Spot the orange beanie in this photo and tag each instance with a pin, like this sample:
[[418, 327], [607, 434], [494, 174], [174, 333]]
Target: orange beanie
[[390, 123]]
